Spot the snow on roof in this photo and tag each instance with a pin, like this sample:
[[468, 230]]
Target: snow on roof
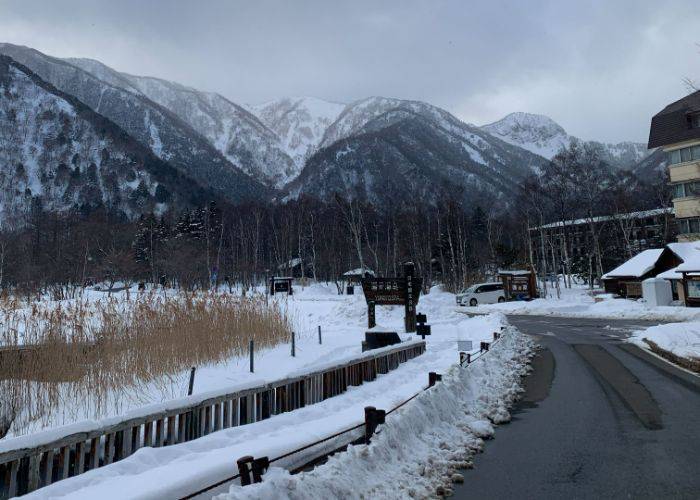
[[517, 272], [605, 218], [360, 271], [689, 253], [690, 265], [637, 266], [290, 264]]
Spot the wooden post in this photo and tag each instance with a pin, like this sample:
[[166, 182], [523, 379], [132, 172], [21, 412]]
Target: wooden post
[[433, 378], [189, 391], [320, 340], [170, 435], [259, 467], [33, 479], [147, 434], [94, 453], [294, 352], [373, 418], [251, 346], [244, 469], [12, 482], [159, 432], [48, 467], [371, 314], [80, 458]]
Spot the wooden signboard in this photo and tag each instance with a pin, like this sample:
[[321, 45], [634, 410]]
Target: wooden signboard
[[393, 292]]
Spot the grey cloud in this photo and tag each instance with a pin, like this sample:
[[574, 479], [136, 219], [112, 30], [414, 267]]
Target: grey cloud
[[600, 68]]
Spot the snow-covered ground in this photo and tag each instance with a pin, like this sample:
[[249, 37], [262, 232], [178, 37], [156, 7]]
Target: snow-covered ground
[[682, 339], [578, 302], [343, 320], [422, 444], [437, 424]]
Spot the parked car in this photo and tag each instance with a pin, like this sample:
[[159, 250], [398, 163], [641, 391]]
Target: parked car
[[482, 293]]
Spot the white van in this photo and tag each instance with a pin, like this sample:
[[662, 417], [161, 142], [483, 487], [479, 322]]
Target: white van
[[482, 293]]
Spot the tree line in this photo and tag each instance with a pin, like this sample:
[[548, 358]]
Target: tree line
[[449, 242]]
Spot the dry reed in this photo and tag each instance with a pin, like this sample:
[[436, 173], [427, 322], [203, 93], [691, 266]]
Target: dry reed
[[82, 359]]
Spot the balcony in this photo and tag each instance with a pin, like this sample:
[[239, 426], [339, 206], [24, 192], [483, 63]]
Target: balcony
[[685, 171]]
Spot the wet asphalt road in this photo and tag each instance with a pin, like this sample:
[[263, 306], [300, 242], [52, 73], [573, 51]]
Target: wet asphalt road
[[599, 419]]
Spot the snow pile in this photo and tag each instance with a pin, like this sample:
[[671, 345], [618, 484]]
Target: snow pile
[[580, 303], [681, 339], [422, 443]]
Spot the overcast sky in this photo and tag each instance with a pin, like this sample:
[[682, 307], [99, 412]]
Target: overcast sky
[[599, 68]]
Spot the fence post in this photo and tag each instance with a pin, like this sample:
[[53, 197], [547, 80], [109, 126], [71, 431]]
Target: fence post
[[320, 340], [433, 377], [189, 391], [373, 418], [244, 469], [251, 347], [294, 350], [259, 468]]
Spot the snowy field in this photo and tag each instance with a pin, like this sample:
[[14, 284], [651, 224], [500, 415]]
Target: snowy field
[[578, 302], [343, 320], [682, 339], [438, 429]]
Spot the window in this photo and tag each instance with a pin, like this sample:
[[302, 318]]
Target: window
[[679, 190], [694, 289], [686, 189], [694, 226], [684, 154], [689, 226], [674, 156]]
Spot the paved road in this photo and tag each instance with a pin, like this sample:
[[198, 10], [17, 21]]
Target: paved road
[[600, 419]]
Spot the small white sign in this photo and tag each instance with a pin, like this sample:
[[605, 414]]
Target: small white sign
[[464, 345]]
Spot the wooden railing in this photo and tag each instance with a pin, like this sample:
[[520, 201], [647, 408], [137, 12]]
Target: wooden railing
[[31, 462]]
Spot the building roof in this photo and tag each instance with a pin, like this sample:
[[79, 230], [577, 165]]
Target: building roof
[[637, 266], [360, 271], [515, 272], [604, 218], [671, 124], [686, 252], [290, 264]]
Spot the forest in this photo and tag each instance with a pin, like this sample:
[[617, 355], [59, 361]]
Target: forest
[[222, 244]]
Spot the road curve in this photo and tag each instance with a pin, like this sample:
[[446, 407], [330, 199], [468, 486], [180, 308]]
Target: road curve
[[599, 419]]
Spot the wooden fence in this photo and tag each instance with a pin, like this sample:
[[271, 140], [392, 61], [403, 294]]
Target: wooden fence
[[31, 462]]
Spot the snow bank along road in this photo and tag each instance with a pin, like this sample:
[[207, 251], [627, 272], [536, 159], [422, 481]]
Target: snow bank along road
[[600, 419]]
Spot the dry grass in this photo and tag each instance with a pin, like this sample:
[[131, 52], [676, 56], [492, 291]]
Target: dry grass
[[88, 359]]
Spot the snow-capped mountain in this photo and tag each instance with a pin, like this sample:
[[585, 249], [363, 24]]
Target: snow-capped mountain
[[536, 133], [300, 123], [169, 138], [543, 136], [389, 151], [57, 151], [230, 128]]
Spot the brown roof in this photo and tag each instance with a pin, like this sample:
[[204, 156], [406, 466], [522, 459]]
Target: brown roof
[[672, 125]]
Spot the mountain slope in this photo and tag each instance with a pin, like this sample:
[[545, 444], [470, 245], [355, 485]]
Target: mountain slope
[[238, 134], [56, 151], [536, 133], [168, 137], [300, 123], [543, 136], [412, 153]]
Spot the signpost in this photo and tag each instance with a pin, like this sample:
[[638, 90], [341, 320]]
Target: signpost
[[422, 329], [393, 292]]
